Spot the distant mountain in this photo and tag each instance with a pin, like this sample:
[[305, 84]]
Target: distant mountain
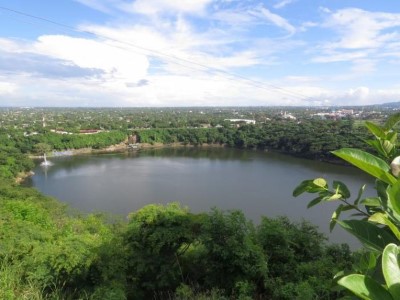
[[390, 104]]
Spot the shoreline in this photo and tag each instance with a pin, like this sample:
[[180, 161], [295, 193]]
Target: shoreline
[[122, 147], [20, 178]]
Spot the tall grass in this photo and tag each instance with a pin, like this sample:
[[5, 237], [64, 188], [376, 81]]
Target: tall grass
[[13, 286]]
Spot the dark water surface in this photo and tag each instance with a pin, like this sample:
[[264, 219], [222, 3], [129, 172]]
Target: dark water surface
[[258, 183]]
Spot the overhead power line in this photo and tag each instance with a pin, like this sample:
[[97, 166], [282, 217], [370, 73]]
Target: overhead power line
[[171, 58]]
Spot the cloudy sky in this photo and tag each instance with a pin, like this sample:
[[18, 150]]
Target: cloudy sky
[[199, 52]]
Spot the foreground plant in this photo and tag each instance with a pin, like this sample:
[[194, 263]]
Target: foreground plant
[[377, 222]]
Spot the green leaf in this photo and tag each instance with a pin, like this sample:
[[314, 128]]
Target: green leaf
[[334, 217], [387, 146], [320, 182], [393, 193], [332, 197], [375, 130], [370, 235], [308, 186], [383, 219], [341, 188], [371, 261], [360, 192], [392, 121], [367, 262], [391, 269], [337, 213], [377, 145], [392, 137], [365, 287], [373, 201], [304, 186], [367, 162], [314, 202], [339, 274], [357, 215]]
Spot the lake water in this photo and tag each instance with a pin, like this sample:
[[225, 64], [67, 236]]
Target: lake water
[[258, 183]]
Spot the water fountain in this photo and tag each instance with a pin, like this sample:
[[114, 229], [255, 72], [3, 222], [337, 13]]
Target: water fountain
[[45, 162]]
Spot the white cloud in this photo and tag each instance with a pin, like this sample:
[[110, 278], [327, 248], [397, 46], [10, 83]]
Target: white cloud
[[301, 79], [364, 95], [7, 88], [100, 5], [180, 41], [283, 3], [364, 66], [117, 64], [13, 45], [306, 25], [325, 9], [235, 17], [363, 38], [275, 19], [336, 56], [363, 29], [234, 36], [359, 93], [150, 7]]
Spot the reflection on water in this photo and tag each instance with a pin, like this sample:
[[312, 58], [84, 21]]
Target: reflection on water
[[259, 183]]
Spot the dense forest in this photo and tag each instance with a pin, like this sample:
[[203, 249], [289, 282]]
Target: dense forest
[[313, 139]]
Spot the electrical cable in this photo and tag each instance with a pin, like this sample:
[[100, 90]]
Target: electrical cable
[[165, 56]]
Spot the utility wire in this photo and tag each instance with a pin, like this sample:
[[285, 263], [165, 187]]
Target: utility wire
[[168, 57]]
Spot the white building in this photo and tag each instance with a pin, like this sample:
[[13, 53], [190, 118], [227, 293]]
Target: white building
[[247, 121]]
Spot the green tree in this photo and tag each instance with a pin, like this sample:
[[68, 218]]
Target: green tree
[[378, 227], [42, 148], [156, 238], [227, 255]]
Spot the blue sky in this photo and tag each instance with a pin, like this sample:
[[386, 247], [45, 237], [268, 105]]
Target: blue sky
[[186, 52]]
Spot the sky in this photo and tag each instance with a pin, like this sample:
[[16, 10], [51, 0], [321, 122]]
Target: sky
[[157, 53]]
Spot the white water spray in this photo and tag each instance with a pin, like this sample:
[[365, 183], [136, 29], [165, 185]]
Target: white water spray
[[45, 162]]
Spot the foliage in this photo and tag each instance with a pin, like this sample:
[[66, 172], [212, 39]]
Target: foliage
[[35, 143], [42, 148], [298, 261], [12, 161], [42, 244], [310, 139], [157, 236], [379, 227], [227, 255], [48, 251]]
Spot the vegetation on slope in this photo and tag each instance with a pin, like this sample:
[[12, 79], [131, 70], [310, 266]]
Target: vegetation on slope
[[49, 252], [311, 138]]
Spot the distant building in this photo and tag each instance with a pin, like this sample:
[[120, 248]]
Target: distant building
[[89, 131], [31, 133], [247, 121], [60, 131], [334, 115], [288, 116], [346, 111]]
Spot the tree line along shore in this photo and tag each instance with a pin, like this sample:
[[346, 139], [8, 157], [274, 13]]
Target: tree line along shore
[[164, 252]]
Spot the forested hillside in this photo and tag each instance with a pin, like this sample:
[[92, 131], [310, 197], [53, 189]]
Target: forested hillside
[[48, 251], [311, 138]]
